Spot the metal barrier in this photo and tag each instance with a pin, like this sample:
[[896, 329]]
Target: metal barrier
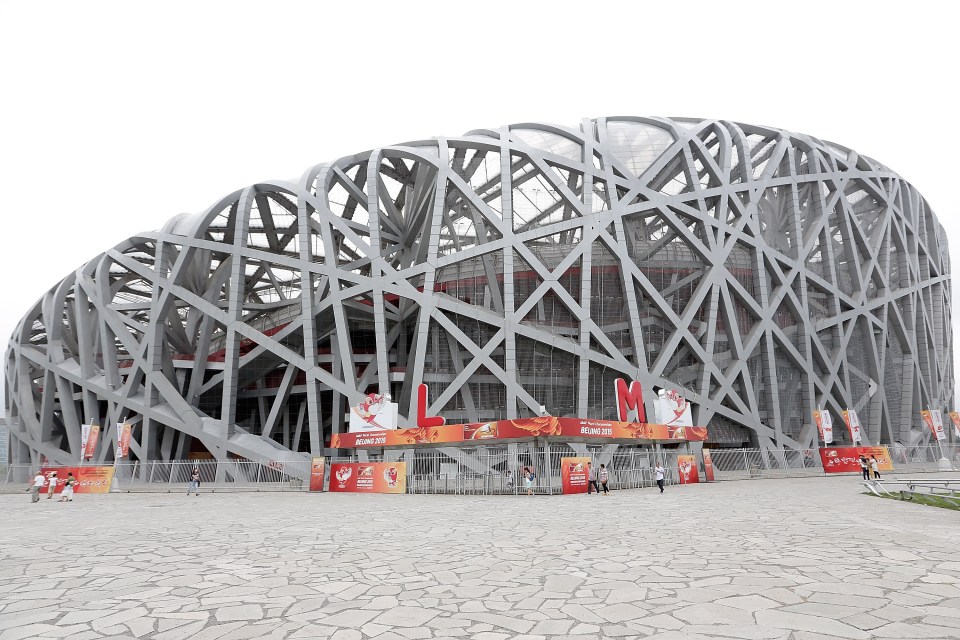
[[482, 470]]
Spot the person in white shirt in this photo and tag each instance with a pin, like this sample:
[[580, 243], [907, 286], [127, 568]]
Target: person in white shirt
[[38, 482], [52, 485], [658, 473]]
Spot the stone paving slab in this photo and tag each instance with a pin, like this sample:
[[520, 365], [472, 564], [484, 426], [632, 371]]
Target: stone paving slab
[[791, 559]]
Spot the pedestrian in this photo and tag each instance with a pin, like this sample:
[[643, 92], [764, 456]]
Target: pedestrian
[[875, 466], [658, 473], [864, 467], [38, 481], [592, 479], [194, 482], [604, 476], [67, 494], [509, 481], [51, 485], [528, 480]]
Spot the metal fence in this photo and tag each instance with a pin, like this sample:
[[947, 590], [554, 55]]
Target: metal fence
[[484, 470]]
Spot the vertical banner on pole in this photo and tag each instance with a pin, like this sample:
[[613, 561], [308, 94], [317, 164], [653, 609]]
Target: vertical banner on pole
[[573, 474], [317, 466], [824, 423], [707, 465], [123, 439], [91, 447], [84, 439], [934, 420], [955, 419], [853, 425]]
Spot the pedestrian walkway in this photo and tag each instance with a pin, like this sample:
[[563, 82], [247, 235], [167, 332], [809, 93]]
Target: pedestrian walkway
[[791, 559]]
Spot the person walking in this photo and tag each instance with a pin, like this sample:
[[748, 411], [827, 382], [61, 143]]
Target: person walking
[[52, 485], [194, 482], [592, 479], [658, 474], [66, 495], [864, 467], [875, 467], [604, 476], [528, 480], [38, 481], [509, 475]]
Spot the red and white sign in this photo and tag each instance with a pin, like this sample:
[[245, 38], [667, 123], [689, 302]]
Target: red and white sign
[[934, 420], [674, 409], [90, 446], [707, 465], [853, 425], [847, 459], [687, 468], [374, 413], [369, 477], [573, 474], [316, 473], [824, 422], [955, 419], [123, 439]]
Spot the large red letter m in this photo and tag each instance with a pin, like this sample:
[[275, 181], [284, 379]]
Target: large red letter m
[[631, 398]]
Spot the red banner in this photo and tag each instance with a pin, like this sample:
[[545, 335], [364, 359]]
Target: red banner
[[316, 473], [369, 477], [574, 474], [520, 428], [88, 479], [123, 439], [91, 446], [847, 459], [707, 465], [687, 469], [934, 421], [955, 419]]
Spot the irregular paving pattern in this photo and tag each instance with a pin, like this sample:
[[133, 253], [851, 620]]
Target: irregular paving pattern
[[766, 560]]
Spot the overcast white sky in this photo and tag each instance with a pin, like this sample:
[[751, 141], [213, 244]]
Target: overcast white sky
[[115, 116]]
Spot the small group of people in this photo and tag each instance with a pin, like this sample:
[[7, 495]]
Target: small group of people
[[40, 480], [528, 476], [868, 466], [593, 475]]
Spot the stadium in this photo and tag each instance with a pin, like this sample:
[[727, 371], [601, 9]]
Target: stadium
[[516, 271]]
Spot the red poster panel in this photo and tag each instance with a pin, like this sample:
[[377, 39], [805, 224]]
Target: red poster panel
[[573, 474], [398, 437], [316, 473], [89, 479], [369, 477], [123, 439], [91, 447], [847, 459], [707, 465], [687, 469]]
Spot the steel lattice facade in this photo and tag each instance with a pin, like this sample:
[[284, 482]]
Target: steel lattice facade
[[761, 272]]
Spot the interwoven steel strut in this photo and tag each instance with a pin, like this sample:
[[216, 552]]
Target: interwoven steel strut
[[763, 273]]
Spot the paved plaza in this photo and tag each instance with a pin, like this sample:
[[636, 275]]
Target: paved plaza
[[795, 559]]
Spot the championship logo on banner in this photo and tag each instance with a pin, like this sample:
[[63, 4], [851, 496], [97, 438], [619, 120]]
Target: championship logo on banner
[[707, 465], [369, 477], [934, 420], [674, 409], [824, 422], [316, 473], [573, 474], [847, 459], [91, 446], [374, 413], [123, 439], [88, 479], [853, 425], [955, 419], [687, 469]]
